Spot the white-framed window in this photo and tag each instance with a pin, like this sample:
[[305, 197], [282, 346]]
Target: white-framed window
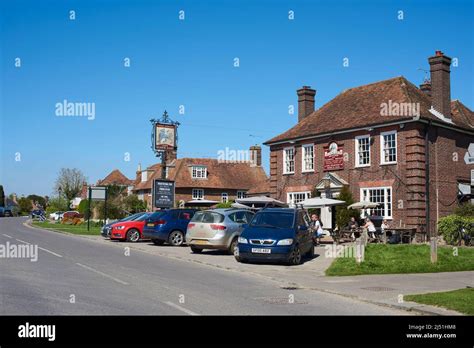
[[362, 151], [198, 193], [224, 197], [388, 147], [381, 195], [307, 159], [289, 160], [295, 197], [199, 172], [240, 194]]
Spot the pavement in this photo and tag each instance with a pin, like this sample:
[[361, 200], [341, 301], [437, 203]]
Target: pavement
[[142, 278]]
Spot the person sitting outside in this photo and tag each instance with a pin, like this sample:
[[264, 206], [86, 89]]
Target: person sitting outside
[[369, 225]]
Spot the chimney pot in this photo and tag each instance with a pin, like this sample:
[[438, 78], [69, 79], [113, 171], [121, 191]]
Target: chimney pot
[[440, 83], [305, 101]]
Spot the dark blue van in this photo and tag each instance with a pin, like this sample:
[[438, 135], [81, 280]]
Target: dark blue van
[[168, 226], [276, 234]]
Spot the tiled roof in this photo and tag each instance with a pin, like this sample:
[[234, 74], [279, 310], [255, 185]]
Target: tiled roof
[[261, 188], [220, 174], [361, 107], [115, 178]]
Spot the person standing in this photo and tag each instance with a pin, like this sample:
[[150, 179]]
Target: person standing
[[317, 227]]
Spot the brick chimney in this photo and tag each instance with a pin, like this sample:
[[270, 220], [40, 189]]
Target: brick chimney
[[440, 83], [305, 101], [256, 155], [425, 87]]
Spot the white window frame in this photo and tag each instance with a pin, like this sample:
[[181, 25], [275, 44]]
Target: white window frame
[[197, 196], [290, 199], [386, 202], [202, 170], [240, 194], [224, 197], [356, 145], [304, 147], [382, 152], [284, 160]]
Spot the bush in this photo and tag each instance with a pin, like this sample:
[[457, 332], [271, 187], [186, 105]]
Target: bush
[[466, 209], [450, 226], [82, 208], [227, 204]]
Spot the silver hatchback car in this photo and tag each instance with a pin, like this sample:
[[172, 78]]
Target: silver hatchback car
[[217, 229]]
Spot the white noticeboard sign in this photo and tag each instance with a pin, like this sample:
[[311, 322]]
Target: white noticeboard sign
[[98, 193], [472, 177]]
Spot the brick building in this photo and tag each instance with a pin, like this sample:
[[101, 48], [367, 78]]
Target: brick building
[[390, 142], [205, 178]]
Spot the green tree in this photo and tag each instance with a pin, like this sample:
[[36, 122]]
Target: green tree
[[133, 204], [343, 215], [2, 196], [37, 199], [83, 208], [56, 204], [25, 205], [69, 182]]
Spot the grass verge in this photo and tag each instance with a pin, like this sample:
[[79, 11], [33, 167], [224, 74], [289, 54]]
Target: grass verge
[[459, 300], [74, 229], [404, 258]]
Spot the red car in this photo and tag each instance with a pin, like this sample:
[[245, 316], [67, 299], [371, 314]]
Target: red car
[[130, 231]]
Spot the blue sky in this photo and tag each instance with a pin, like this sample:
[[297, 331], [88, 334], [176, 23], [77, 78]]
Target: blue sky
[[191, 63]]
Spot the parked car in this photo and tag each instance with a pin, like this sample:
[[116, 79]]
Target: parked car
[[217, 229], [105, 231], [276, 234], [57, 215], [130, 231], [72, 214], [2, 211], [168, 226]]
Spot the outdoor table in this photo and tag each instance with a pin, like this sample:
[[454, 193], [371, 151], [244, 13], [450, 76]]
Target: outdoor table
[[345, 233]]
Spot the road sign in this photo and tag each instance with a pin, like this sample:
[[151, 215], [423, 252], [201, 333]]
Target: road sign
[[98, 193], [163, 193]]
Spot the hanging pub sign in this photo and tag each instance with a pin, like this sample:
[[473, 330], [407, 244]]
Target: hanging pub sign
[[163, 193], [164, 136], [333, 157]]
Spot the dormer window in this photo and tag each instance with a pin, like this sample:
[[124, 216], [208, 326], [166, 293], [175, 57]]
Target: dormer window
[[199, 172]]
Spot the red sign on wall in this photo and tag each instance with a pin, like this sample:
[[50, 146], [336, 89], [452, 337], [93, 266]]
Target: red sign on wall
[[333, 157]]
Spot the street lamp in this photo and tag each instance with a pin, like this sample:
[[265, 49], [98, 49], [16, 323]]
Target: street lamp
[[59, 194]]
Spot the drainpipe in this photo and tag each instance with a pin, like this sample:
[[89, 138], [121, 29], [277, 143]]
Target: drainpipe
[[427, 179]]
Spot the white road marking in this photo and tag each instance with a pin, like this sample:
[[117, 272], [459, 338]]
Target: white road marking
[[102, 273], [6, 235], [22, 241], [49, 251], [187, 311]]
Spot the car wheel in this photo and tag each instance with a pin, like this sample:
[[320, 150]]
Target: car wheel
[[158, 241], [233, 247], [176, 238], [295, 257], [196, 250], [133, 235]]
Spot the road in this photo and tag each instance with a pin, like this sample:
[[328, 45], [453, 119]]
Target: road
[[77, 276]]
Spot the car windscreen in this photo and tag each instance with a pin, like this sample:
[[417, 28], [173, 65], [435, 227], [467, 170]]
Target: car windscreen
[[209, 217], [273, 219], [143, 217], [132, 217], [156, 215]]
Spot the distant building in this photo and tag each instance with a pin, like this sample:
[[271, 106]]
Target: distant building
[[204, 178]]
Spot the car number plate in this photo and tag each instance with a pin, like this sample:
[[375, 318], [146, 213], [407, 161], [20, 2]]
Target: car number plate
[[200, 242], [150, 225], [261, 251]]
